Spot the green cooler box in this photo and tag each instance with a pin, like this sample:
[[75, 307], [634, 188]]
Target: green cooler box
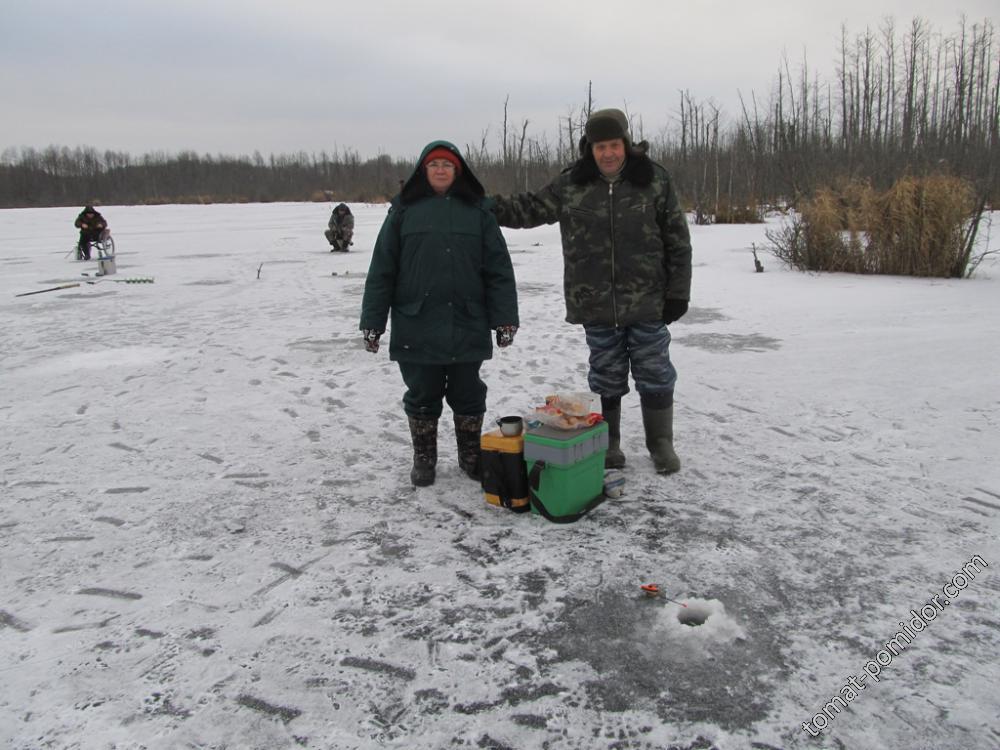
[[565, 469]]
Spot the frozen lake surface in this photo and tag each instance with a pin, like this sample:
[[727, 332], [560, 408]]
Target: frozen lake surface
[[208, 538]]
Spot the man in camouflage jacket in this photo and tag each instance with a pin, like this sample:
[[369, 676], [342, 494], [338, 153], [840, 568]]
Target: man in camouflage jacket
[[627, 261], [340, 231]]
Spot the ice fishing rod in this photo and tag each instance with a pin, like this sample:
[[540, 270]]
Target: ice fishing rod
[[50, 289], [653, 590], [133, 280]]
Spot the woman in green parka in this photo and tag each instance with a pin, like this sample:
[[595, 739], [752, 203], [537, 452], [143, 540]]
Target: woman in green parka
[[441, 266]]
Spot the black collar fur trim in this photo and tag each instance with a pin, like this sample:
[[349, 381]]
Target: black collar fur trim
[[638, 169], [418, 188]]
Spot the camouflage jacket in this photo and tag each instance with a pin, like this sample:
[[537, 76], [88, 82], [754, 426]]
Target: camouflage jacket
[[342, 221], [626, 245]]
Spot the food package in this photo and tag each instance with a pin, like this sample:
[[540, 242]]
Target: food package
[[575, 404], [568, 411]]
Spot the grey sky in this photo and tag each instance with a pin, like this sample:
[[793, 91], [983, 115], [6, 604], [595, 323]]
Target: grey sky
[[234, 76]]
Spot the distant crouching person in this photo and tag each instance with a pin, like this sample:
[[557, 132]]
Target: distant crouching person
[[340, 229]]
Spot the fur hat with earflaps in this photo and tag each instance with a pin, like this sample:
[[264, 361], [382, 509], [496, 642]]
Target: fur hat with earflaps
[[606, 125]]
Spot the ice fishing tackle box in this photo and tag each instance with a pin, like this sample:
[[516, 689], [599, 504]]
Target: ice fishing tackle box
[[504, 478], [565, 470]]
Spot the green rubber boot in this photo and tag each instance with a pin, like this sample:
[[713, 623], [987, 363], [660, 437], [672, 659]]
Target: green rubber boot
[[659, 426]]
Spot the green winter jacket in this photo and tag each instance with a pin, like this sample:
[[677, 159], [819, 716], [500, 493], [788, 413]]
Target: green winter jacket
[[626, 245], [441, 265]]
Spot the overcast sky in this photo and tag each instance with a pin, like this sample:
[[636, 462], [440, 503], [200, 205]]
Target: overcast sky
[[387, 76]]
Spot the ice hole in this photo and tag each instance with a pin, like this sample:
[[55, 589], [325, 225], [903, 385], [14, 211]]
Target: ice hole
[[702, 621], [694, 614]]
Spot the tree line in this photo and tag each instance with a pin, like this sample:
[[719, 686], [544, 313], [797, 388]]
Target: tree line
[[901, 102], [59, 176]]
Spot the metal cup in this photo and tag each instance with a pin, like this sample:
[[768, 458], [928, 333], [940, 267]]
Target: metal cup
[[510, 426]]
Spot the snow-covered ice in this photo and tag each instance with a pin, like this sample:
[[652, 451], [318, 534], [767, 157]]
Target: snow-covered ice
[[208, 538]]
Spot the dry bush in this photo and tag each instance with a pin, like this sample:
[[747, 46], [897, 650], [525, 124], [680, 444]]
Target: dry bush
[[747, 214], [854, 196], [824, 238], [919, 227], [816, 238]]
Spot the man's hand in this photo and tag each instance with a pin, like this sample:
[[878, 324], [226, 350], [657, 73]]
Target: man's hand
[[674, 309], [371, 339], [505, 336]]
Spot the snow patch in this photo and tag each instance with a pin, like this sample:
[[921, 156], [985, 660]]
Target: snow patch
[[103, 359], [701, 622]]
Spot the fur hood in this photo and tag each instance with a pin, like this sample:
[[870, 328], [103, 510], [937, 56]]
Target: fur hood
[[466, 185]]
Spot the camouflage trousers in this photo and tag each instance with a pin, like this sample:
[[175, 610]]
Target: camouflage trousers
[[339, 236], [643, 348]]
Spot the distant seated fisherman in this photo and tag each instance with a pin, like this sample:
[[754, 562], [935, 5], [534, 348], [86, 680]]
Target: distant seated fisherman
[[341, 231], [91, 225]]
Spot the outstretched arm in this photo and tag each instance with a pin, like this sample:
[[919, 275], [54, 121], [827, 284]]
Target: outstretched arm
[[527, 210]]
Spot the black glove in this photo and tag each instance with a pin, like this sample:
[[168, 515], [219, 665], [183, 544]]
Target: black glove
[[674, 309], [505, 335], [371, 339]]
